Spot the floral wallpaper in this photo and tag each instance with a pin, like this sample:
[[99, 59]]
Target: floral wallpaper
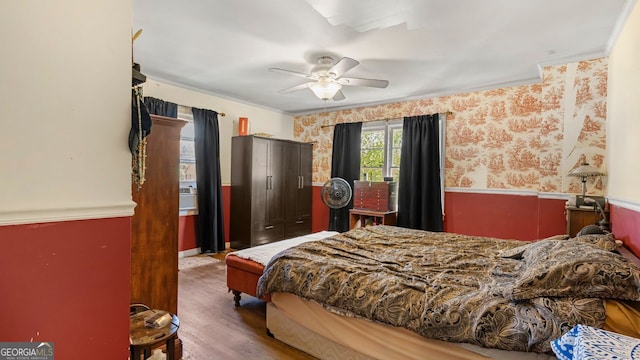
[[525, 137]]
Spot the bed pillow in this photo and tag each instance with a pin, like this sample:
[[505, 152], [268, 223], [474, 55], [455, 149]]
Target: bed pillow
[[602, 241], [557, 268], [516, 253], [590, 229], [605, 242]]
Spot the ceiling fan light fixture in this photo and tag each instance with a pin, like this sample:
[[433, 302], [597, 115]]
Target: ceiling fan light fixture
[[325, 89]]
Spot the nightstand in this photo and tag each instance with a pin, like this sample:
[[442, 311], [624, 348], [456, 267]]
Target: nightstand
[[579, 217]]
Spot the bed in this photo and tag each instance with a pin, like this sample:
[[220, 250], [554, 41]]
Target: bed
[[245, 267], [359, 316]]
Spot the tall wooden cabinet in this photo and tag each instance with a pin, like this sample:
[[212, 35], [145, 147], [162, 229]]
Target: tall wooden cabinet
[[154, 225], [270, 190]]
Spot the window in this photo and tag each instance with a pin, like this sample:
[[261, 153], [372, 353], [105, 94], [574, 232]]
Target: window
[[188, 182], [380, 150], [187, 148]]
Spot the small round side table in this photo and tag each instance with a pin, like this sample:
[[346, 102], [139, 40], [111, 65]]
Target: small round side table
[[143, 339]]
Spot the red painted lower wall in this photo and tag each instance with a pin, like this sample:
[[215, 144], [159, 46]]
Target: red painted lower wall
[[68, 283], [552, 217], [319, 212], [505, 216], [625, 225], [187, 232], [522, 217]]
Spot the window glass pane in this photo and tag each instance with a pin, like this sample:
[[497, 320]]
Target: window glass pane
[[372, 158], [372, 139], [397, 138], [187, 171], [380, 149], [188, 131], [187, 150], [373, 174], [395, 172], [395, 158]]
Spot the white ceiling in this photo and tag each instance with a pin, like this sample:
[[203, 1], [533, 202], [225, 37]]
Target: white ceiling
[[424, 48]]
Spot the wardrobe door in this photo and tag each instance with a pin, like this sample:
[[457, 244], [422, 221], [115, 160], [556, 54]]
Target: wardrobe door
[[260, 181], [292, 182], [306, 190], [276, 193], [243, 189], [298, 197], [267, 213]]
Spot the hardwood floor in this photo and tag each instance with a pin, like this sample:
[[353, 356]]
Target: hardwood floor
[[211, 327]]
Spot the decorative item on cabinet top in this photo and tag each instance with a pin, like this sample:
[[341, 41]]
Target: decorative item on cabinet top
[[243, 126], [375, 195]]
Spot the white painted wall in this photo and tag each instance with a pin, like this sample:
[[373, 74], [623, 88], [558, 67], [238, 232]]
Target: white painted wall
[[262, 120], [65, 99], [623, 113]]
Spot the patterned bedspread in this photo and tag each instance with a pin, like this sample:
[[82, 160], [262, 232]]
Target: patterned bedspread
[[503, 294]]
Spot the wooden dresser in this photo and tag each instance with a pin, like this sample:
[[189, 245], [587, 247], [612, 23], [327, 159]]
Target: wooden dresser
[[375, 195]]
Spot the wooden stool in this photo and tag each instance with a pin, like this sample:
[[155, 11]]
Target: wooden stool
[[143, 339]]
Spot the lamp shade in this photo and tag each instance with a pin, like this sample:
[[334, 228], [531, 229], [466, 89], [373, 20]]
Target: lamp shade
[[325, 89], [585, 170]]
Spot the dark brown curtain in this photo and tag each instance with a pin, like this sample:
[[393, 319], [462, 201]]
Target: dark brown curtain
[[345, 163], [210, 235], [419, 197]]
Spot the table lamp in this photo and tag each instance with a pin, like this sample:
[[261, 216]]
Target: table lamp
[[585, 171]]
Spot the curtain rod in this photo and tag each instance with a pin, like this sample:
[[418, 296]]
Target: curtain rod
[[135, 87], [326, 126]]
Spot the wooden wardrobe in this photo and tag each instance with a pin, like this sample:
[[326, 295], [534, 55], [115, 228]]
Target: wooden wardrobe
[[270, 190], [154, 225]]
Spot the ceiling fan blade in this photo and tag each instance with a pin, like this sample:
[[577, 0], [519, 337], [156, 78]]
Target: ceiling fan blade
[[363, 82], [338, 96], [290, 72], [342, 66], [295, 88]]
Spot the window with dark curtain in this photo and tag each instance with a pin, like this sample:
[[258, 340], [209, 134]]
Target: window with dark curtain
[[419, 189], [210, 236], [345, 164]]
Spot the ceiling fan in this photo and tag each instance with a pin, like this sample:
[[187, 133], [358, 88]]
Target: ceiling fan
[[326, 78]]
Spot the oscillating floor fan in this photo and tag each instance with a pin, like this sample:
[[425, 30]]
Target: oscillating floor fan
[[336, 194]]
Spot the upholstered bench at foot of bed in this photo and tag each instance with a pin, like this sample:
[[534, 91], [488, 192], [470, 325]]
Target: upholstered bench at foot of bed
[[242, 277]]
